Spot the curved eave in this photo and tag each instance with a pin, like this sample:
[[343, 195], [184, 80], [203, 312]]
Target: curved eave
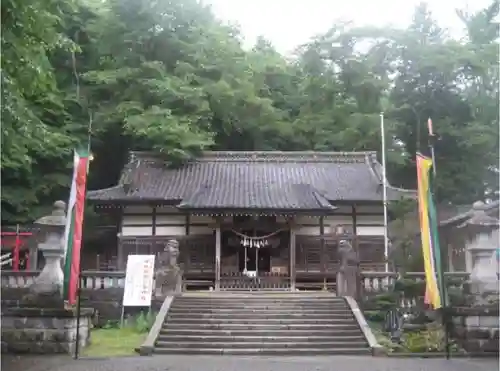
[[107, 194], [241, 210], [463, 217], [402, 193]]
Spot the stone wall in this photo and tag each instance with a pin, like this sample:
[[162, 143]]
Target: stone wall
[[43, 331], [106, 302], [477, 329]]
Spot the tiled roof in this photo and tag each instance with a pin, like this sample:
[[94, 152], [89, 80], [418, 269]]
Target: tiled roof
[[291, 197], [479, 214], [267, 180]]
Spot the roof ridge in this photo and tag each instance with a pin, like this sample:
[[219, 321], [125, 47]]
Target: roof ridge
[[259, 156], [360, 153]]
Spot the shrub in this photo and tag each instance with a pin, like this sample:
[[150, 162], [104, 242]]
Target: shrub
[[430, 340], [141, 323]]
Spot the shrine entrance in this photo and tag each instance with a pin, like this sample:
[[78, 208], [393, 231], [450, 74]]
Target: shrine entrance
[[253, 259], [260, 247]]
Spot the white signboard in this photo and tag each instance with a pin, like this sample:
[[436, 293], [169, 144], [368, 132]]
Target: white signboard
[[139, 281]]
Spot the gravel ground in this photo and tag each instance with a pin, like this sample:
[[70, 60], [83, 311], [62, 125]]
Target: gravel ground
[[228, 363]]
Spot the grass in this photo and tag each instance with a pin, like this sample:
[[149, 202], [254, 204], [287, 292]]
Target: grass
[[112, 342]]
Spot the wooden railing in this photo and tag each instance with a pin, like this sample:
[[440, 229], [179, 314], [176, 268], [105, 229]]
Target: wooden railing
[[94, 280]]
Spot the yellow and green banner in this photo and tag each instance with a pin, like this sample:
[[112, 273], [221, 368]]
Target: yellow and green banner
[[429, 234]]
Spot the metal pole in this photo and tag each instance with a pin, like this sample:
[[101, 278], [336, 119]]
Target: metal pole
[[78, 310], [79, 289], [384, 193], [444, 310]]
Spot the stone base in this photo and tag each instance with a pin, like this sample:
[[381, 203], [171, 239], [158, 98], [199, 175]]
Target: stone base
[[477, 328], [44, 331]]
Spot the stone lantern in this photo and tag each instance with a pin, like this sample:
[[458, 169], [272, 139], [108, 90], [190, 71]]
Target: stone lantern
[[481, 248], [41, 324], [46, 290]]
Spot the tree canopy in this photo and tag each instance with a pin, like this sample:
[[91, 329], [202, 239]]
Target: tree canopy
[[169, 76]]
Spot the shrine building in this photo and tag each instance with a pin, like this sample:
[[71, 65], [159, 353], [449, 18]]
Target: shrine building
[[251, 220]]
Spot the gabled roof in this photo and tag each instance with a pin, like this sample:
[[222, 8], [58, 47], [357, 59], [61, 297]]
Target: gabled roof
[[480, 214], [262, 180]]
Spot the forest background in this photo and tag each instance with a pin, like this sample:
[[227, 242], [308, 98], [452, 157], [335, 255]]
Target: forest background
[[169, 76]]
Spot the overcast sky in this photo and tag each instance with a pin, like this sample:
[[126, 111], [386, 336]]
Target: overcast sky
[[288, 23]]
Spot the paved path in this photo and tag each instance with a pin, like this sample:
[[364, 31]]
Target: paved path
[[228, 363]]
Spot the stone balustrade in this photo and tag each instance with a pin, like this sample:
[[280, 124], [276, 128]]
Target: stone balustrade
[[378, 282], [93, 280], [371, 282]]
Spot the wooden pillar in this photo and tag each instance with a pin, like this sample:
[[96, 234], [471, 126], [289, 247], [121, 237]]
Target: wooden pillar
[[153, 229], [188, 221], [322, 250], [120, 259], [354, 221], [293, 256], [217, 255], [355, 241]]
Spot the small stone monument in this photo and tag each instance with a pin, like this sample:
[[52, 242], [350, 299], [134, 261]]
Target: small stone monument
[[168, 276], [347, 277], [41, 324]]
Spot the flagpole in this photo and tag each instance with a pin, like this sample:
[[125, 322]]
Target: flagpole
[[444, 296], [384, 193], [79, 287]]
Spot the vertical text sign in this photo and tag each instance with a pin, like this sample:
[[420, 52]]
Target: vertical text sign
[[139, 281]]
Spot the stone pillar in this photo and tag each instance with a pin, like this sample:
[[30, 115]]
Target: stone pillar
[[293, 255], [218, 241], [323, 250]]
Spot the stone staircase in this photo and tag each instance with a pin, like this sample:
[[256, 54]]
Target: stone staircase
[[260, 323]]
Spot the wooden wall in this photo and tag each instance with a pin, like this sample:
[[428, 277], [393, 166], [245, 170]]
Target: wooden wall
[[168, 221]]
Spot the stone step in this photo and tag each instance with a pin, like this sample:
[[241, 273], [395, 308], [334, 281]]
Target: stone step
[[264, 351], [165, 338], [264, 326], [257, 304], [252, 298], [260, 301], [234, 316], [204, 293], [264, 305], [353, 330], [262, 344], [263, 320], [226, 311], [260, 324], [261, 294]]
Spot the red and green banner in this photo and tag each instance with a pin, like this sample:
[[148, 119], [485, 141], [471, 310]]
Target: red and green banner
[[74, 226]]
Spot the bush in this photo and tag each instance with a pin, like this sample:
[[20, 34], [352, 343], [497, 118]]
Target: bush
[[375, 315], [141, 323], [430, 340], [410, 288]]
